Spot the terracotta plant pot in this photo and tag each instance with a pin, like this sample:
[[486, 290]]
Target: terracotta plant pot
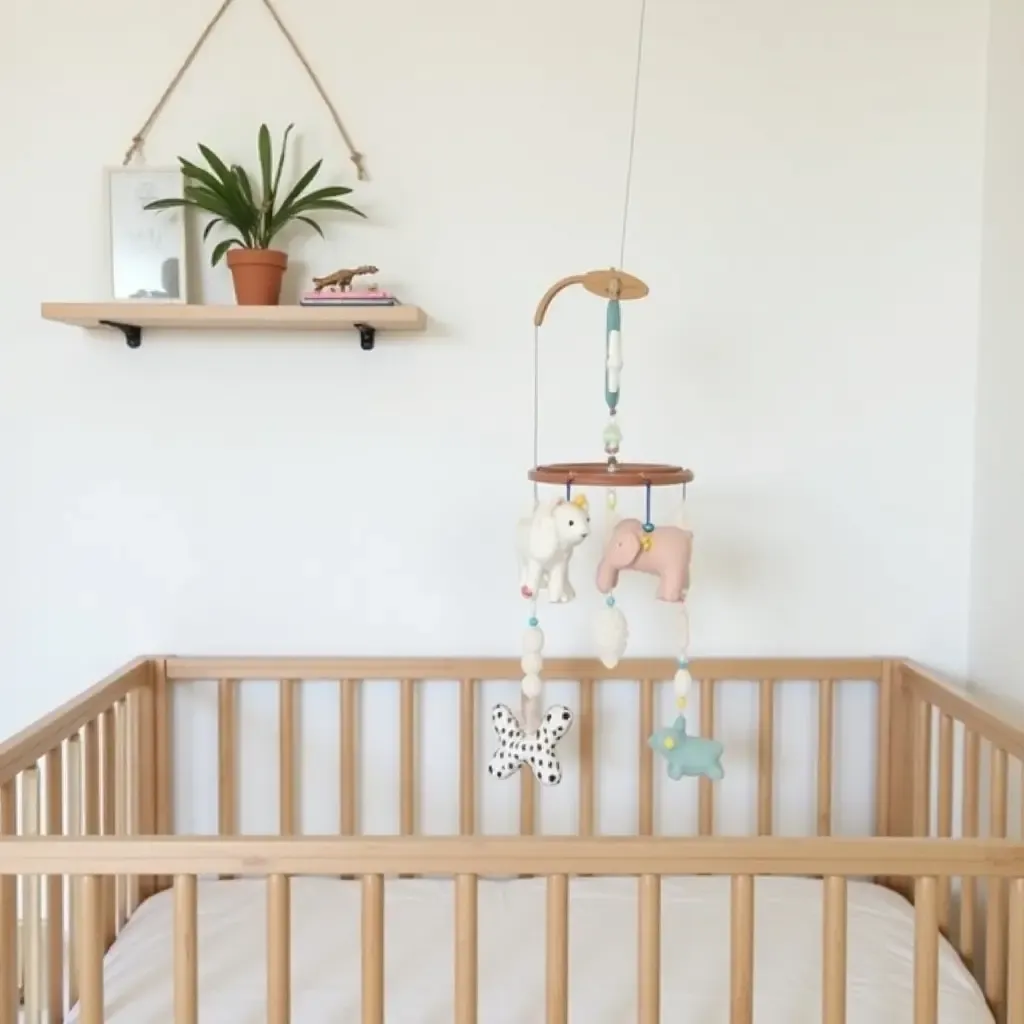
[[257, 275]]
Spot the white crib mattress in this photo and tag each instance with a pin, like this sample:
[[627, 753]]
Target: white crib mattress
[[419, 928]]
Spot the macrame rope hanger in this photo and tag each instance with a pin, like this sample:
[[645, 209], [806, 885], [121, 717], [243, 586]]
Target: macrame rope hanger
[[139, 138]]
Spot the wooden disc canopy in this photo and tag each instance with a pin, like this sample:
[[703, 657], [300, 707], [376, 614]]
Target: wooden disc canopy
[[613, 285], [608, 284]]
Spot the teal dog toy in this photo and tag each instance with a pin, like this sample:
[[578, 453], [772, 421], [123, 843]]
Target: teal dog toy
[[685, 754]]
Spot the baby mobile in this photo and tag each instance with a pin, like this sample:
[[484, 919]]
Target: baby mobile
[[559, 524], [546, 542]]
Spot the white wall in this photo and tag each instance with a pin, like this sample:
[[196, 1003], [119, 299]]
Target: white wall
[[807, 202], [997, 593]]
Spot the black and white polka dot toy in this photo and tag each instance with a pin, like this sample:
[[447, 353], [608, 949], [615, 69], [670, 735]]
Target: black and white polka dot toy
[[537, 749]]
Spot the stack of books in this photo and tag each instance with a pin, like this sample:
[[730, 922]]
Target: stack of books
[[366, 297]]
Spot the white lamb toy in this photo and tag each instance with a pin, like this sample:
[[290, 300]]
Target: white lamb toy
[[546, 540]]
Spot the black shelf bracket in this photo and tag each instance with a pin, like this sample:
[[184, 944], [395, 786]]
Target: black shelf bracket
[[132, 332], [367, 336]]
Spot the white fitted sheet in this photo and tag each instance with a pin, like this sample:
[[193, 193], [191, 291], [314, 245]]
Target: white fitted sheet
[[419, 928]]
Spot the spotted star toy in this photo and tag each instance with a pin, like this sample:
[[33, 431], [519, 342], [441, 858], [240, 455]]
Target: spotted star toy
[[685, 754], [517, 747]]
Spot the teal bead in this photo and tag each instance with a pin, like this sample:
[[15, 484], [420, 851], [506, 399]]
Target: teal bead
[[533, 620], [684, 662], [610, 601], [648, 527]]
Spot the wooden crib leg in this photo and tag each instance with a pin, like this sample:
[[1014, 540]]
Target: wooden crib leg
[[466, 955], [90, 948], [279, 994], [742, 940], [186, 975]]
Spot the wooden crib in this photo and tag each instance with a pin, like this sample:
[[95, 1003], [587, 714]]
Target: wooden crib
[[86, 816]]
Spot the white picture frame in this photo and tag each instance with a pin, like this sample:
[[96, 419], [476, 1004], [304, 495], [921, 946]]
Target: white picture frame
[[147, 252]]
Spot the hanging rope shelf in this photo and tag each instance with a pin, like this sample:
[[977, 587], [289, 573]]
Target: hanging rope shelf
[[139, 138]]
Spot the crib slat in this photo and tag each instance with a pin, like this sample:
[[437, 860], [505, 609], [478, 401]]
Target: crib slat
[[227, 757], [132, 775], [649, 950], [944, 809], [8, 912], [826, 715], [883, 753], [527, 803], [557, 952], [645, 776], [186, 962], [163, 728], [407, 730], [467, 757], [926, 951], [373, 949], [90, 949], [91, 773], [922, 767], [108, 774], [1015, 954], [741, 938], [121, 772], [55, 889], [31, 904], [969, 828], [586, 757], [833, 1010], [705, 791], [74, 828], [349, 755], [995, 913], [144, 755], [287, 692], [279, 942], [466, 950], [765, 755]]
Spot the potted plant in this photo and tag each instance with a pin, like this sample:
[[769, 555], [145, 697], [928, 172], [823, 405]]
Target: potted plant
[[253, 219]]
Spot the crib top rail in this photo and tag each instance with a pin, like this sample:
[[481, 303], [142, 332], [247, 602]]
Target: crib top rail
[[256, 855], [25, 748], [995, 719], [503, 669]]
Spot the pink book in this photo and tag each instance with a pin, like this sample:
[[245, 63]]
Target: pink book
[[352, 296]]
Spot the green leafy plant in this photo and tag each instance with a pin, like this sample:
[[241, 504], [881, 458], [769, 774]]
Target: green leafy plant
[[227, 193]]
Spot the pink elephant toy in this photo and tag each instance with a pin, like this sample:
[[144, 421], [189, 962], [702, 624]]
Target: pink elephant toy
[[664, 552]]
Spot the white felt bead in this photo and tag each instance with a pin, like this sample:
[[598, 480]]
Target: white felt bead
[[682, 682], [531, 685], [533, 639], [532, 662], [614, 361], [611, 635]]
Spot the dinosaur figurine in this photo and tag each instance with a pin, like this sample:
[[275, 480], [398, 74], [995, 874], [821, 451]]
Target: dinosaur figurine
[[342, 279]]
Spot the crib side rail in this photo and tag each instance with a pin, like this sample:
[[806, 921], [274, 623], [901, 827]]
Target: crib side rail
[[965, 753], [85, 768], [557, 859], [994, 719], [35, 741]]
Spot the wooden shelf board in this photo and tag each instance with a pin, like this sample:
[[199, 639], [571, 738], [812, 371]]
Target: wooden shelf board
[[178, 316]]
